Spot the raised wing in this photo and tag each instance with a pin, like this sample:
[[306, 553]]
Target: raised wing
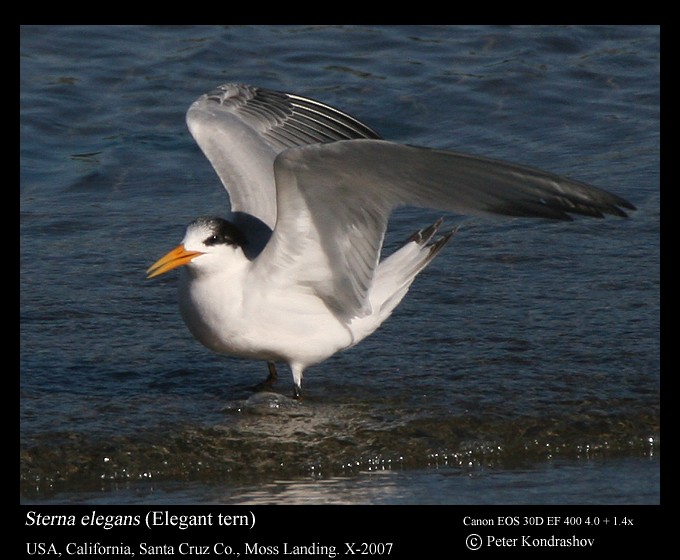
[[241, 129], [334, 201]]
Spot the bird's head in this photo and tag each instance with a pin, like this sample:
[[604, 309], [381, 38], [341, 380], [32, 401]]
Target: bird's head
[[206, 244]]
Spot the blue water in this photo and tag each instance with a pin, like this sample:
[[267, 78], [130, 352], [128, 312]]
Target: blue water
[[524, 360]]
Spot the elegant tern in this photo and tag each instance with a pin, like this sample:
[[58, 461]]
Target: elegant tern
[[294, 275]]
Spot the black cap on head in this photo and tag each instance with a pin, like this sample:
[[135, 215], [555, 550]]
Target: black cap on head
[[221, 231]]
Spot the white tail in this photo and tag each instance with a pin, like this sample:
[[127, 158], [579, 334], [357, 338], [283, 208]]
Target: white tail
[[394, 277]]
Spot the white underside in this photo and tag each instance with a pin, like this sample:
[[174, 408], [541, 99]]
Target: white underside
[[233, 313]]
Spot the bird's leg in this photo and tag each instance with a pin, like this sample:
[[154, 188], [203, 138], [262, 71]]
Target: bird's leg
[[271, 378], [297, 371], [271, 366]]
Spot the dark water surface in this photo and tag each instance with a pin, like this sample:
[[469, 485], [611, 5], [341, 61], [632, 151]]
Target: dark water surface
[[523, 367]]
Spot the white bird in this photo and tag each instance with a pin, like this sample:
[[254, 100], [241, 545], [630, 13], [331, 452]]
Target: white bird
[[295, 275]]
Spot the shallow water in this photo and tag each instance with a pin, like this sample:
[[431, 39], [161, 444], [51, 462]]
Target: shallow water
[[524, 359]]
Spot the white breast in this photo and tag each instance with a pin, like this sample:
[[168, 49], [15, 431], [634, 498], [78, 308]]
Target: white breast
[[268, 324]]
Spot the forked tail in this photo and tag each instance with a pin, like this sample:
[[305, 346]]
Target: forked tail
[[395, 274]]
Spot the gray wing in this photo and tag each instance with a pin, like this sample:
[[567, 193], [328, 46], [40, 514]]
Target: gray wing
[[335, 199], [241, 130]]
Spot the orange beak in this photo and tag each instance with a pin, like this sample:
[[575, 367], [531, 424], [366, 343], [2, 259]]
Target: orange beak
[[179, 256]]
